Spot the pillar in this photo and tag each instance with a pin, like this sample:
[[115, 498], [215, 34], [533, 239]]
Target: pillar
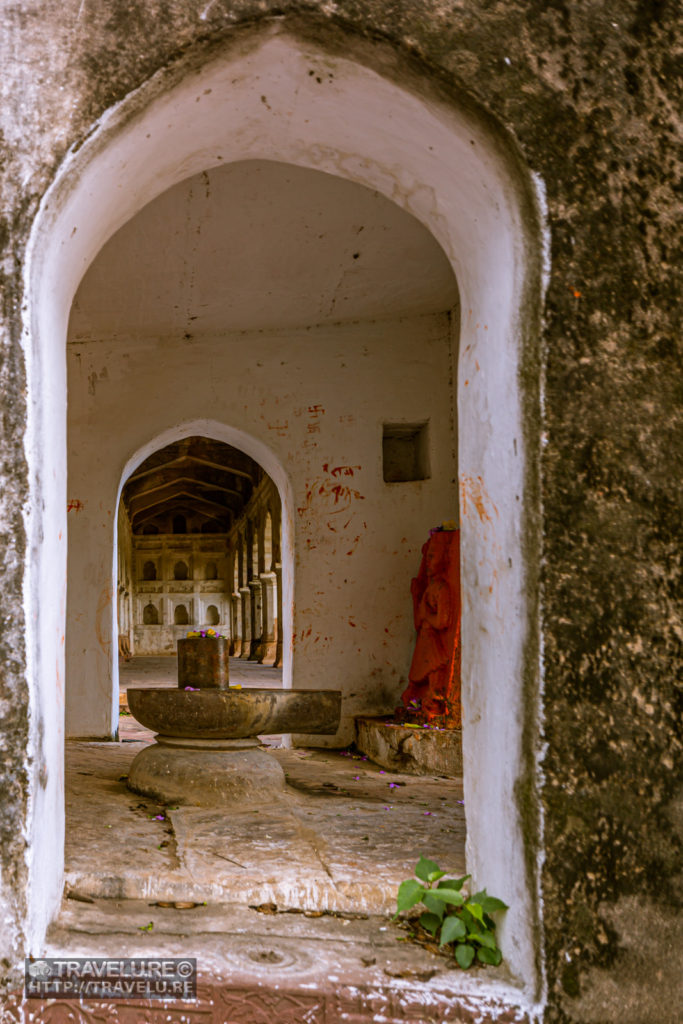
[[268, 646], [256, 604], [278, 624], [245, 601], [235, 625]]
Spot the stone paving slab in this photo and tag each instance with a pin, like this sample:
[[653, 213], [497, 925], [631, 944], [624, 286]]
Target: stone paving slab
[[260, 857]]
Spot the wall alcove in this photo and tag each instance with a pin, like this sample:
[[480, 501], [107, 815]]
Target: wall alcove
[[389, 133]]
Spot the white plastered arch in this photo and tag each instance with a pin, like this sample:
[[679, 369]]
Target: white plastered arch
[[265, 457], [444, 167]]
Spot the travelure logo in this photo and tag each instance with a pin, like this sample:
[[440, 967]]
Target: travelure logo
[[39, 969]]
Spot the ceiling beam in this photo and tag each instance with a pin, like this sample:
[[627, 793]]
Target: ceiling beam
[[150, 487]]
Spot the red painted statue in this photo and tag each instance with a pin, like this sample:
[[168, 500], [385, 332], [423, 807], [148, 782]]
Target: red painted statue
[[433, 693]]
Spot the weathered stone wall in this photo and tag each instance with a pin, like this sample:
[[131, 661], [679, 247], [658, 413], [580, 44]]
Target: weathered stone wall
[[196, 592], [587, 91]]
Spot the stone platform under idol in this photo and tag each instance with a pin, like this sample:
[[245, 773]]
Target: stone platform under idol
[[415, 750]]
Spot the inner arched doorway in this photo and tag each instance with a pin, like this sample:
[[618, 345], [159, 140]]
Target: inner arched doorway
[[166, 581], [388, 131]]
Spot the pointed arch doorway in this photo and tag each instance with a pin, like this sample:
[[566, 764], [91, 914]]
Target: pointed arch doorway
[[389, 131]]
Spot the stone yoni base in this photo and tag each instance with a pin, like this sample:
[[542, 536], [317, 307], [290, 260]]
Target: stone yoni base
[[415, 751], [207, 773]]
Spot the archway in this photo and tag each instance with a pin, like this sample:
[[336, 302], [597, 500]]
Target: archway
[[205, 481], [391, 133]]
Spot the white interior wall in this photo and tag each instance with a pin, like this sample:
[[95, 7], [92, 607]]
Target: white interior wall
[[439, 164], [356, 540]]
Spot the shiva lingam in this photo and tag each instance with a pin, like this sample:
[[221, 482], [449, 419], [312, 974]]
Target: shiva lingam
[[206, 752]]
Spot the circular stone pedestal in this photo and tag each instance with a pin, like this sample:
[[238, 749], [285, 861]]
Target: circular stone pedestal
[[207, 773]]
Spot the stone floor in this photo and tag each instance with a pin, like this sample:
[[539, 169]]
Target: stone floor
[[344, 837], [163, 671], [293, 901]]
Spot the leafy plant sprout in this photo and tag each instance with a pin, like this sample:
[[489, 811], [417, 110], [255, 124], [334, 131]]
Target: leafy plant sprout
[[456, 919]]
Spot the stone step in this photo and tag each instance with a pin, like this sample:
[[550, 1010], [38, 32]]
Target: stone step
[[282, 968]]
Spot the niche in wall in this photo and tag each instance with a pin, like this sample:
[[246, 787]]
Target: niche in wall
[[405, 452], [180, 616], [150, 615]]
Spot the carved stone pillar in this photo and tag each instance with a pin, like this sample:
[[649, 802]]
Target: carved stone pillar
[[256, 619], [278, 624], [245, 597], [236, 625], [268, 647]]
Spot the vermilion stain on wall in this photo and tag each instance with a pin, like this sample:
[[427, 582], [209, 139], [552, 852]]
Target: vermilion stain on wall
[[340, 470], [279, 428], [472, 491]]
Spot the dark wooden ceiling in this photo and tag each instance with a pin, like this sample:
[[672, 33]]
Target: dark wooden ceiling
[[206, 481]]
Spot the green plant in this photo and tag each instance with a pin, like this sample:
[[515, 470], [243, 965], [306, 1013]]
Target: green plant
[[453, 917]]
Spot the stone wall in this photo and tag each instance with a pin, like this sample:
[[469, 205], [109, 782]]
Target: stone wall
[[188, 581], [586, 92]]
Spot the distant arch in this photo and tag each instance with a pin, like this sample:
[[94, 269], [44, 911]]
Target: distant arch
[[150, 615], [180, 616]]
